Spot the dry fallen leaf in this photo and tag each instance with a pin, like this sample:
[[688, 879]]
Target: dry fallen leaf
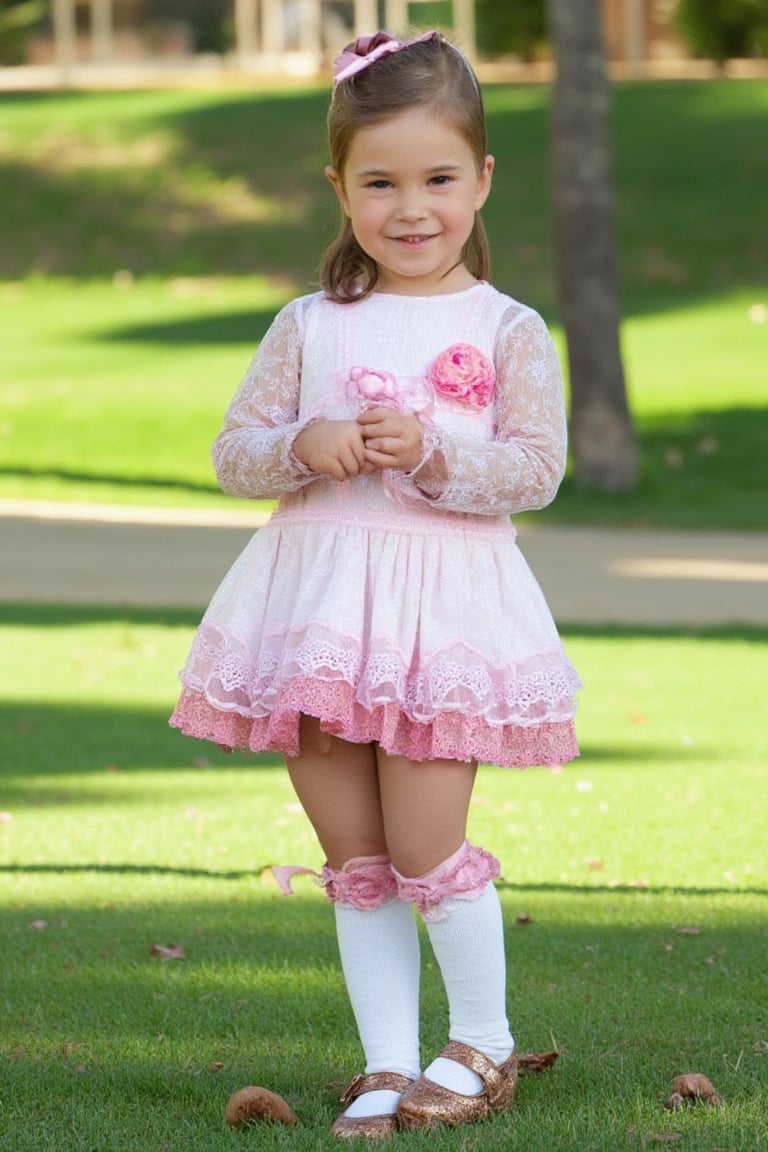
[[168, 952], [690, 1088], [523, 918], [38, 925], [251, 1105], [687, 930], [70, 1047], [537, 1061]]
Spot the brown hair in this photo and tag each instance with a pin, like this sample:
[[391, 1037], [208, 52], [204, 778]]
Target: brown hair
[[430, 73]]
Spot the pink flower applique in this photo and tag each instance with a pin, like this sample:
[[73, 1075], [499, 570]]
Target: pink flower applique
[[378, 389], [463, 374]]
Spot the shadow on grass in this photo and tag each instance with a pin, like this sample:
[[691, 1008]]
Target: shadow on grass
[[257, 873], [41, 742], [242, 327]]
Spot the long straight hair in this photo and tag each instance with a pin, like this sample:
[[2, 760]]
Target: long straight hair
[[431, 74]]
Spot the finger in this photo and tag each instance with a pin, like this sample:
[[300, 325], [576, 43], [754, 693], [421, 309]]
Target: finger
[[357, 447], [381, 459], [389, 445], [368, 431], [336, 471], [384, 427], [372, 415], [349, 461]]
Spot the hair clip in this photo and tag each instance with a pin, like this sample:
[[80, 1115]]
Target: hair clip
[[366, 50]]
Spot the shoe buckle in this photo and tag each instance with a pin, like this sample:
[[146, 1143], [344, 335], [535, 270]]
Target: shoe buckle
[[351, 1092]]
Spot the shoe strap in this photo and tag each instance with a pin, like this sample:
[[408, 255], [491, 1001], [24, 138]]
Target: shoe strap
[[491, 1074], [374, 1082]]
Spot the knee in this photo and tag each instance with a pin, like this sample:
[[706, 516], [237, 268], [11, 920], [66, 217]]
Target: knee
[[465, 875], [365, 882]]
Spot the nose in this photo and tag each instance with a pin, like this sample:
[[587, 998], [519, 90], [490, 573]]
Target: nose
[[410, 206]]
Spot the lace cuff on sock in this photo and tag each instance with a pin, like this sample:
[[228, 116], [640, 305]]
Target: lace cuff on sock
[[463, 876], [366, 882]]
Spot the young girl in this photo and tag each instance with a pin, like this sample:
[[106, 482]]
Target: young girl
[[383, 631]]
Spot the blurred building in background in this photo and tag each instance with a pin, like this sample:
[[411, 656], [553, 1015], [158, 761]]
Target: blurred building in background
[[299, 37]]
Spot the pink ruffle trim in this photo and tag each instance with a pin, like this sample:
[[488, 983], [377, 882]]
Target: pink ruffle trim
[[450, 735], [366, 882], [463, 876]]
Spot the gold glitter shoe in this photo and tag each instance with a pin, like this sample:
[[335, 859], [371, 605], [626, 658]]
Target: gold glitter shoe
[[427, 1104], [369, 1127]]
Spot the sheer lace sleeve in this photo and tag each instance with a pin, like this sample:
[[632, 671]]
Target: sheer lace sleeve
[[522, 467], [252, 455]]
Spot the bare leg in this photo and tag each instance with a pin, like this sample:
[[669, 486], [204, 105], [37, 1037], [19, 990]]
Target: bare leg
[[424, 809], [337, 784]]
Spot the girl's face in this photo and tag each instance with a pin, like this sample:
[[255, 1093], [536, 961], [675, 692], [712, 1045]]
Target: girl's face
[[411, 188]]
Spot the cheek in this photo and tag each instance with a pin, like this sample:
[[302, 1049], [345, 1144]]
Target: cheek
[[366, 216]]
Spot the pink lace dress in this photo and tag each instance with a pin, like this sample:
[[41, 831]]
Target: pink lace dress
[[396, 607]]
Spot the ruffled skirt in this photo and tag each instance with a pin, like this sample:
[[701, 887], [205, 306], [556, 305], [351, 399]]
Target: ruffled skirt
[[434, 644]]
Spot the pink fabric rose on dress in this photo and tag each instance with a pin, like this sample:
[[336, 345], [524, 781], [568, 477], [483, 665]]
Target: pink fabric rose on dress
[[463, 374], [378, 389]]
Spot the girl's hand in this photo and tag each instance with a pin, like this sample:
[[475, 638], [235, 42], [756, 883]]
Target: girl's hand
[[391, 439], [333, 448]]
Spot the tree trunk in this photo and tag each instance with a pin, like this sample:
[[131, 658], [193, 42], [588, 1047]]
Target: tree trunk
[[602, 436]]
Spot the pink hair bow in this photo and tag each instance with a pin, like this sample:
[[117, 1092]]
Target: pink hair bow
[[366, 50]]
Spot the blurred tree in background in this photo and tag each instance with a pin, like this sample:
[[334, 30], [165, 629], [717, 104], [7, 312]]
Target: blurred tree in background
[[17, 19], [724, 29], [511, 28], [211, 21]]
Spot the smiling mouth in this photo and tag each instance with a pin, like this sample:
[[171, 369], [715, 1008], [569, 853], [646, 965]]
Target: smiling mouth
[[414, 240]]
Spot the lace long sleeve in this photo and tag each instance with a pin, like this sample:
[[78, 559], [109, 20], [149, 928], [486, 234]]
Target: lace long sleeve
[[252, 455], [522, 467]]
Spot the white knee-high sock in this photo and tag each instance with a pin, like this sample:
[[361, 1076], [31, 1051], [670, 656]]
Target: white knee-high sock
[[469, 948], [380, 959]]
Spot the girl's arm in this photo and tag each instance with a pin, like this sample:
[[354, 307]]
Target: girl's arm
[[522, 467], [253, 454]]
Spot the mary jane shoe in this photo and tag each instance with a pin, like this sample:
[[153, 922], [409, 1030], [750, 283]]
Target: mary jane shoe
[[369, 1127], [426, 1104]]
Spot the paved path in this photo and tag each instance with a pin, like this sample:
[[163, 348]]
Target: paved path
[[160, 557]]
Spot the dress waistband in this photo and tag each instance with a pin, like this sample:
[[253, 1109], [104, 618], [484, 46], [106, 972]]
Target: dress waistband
[[430, 522]]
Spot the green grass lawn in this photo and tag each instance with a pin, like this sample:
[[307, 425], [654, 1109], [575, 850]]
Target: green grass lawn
[[151, 236], [642, 869]]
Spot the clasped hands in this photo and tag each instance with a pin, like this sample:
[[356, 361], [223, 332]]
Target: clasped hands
[[378, 439]]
